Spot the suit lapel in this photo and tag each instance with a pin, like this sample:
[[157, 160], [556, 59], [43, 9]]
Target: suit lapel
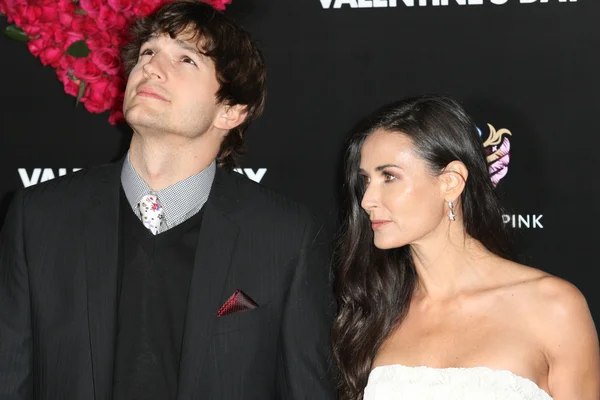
[[101, 245], [216, 244]]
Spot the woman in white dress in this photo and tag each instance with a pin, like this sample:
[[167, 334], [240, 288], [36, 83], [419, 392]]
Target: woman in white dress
[[430, 305]]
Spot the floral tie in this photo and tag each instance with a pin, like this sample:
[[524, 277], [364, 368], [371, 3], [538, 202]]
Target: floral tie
[[152, 212]]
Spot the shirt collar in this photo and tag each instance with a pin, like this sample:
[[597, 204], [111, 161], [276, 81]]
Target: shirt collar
[[180, 201]]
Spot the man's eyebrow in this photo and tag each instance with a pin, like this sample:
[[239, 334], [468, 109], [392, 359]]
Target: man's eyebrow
[[185, 45]]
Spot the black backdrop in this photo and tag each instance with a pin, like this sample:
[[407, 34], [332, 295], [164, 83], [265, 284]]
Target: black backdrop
[[524, 65]]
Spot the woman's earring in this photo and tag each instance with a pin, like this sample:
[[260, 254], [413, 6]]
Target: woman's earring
[[451, 215]]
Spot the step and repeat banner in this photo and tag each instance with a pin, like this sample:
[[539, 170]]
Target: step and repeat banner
[[526, 70]]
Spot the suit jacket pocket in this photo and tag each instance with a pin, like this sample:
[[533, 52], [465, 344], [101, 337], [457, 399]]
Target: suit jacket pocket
[[242, 320]]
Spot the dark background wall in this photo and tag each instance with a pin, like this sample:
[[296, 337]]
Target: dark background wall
[[531, 68]]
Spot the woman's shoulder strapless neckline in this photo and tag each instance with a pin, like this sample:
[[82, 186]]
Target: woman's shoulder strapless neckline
[[391, 382]]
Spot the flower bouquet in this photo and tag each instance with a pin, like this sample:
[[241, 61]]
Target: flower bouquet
[[81, 40]]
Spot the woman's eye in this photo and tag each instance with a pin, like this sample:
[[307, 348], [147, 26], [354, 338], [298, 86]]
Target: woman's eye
[[146, 52], [388, 177], [365, 179], [188, 60]]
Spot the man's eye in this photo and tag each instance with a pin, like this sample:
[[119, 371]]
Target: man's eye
[[188, 60], [146, 52]]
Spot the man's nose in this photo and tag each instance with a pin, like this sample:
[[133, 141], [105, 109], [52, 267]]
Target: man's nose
[[155, 68]]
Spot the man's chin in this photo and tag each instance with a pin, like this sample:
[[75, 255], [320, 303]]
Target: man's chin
[[141, 116]]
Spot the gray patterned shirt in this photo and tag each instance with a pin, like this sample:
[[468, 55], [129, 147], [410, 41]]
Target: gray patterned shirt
[[180, 201]]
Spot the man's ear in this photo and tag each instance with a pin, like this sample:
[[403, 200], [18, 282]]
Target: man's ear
[[453, 180], [230, 117]]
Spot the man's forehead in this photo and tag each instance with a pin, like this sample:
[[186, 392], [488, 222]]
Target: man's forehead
[[187, 39]]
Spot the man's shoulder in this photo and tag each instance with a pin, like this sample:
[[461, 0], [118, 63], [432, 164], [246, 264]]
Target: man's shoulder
[[261, 200], [74, 187]]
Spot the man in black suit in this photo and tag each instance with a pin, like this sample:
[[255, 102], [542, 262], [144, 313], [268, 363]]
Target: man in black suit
[[166, 276]]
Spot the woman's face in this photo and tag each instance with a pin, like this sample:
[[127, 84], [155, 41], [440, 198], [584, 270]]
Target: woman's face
[[402, 198]]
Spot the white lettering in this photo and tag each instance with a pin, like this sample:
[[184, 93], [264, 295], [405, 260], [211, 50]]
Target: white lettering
[[27, 181], [523, 221], [326, 3], [249, 172], [47, 174], [365, 3], [340, 3], [255, 176], [41, 175]]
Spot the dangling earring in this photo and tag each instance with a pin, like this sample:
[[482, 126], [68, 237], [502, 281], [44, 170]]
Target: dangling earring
[[451, 215]]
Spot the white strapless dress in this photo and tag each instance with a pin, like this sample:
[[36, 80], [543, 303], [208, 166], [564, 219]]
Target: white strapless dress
[[399, 382]]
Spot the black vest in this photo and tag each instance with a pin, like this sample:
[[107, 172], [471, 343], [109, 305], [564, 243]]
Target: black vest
[[154, 279]]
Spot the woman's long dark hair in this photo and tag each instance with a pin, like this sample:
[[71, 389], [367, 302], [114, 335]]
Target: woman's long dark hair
[[373, 286]]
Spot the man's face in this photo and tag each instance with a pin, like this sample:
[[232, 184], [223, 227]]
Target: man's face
[[172, 88]]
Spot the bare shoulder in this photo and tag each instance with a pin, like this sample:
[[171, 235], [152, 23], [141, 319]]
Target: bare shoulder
[[551, 298], [564, 313], [559, 312], [556, 315], [564, 327], [545, 300], [557, 300]]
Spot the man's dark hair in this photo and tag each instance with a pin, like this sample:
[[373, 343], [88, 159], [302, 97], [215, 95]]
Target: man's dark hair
[[239, 63]]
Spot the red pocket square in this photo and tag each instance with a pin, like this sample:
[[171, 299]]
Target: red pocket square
[[237, 302]]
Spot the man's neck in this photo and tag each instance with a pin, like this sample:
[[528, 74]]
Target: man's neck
[[165, 161]]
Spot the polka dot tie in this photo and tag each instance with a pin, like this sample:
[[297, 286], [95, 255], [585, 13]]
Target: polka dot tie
[[152, 213]]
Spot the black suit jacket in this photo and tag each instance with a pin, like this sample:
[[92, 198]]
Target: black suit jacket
[[58, 294]]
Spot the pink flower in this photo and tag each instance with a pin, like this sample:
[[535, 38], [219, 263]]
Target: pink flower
[[7, 7], [84, 25], [144, 8], [46, 50], [91, 7], [108, 60], [218, 4], [51, 56], [120, 5], [49, 13], [97, 98], [104, 94], [26, 15], [86, 70], [99, 40], [37, 45], [71, 86], [109, 20]]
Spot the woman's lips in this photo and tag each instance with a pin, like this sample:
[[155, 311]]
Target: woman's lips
[[377, 224]]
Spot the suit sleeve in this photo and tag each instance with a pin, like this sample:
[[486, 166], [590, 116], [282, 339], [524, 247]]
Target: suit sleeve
[[305, 366], [15, 313]]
